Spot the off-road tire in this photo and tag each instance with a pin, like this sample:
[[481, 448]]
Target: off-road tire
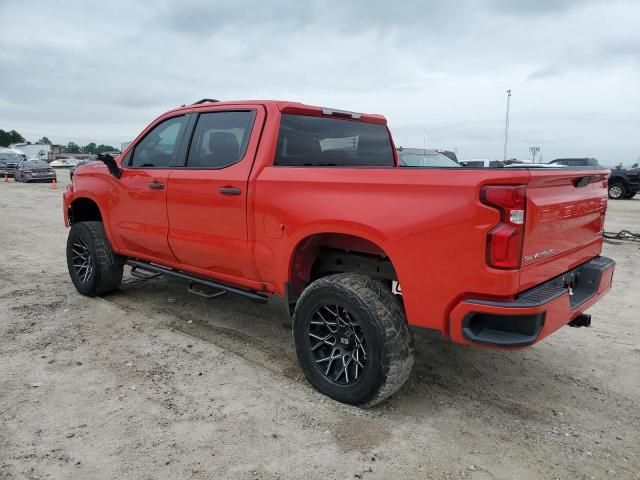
[[617, 191], [107, 266], [388, 339]]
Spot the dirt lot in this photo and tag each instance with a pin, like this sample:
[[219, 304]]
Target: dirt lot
[[152, 382]]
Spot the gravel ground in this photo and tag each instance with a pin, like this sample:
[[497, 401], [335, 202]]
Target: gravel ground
[[152, 382]]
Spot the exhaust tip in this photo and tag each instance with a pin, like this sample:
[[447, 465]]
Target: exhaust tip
[[583, 320]]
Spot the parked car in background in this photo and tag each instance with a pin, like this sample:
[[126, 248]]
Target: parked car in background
[[624, 183], [576, 162], [419, 157], [8, 163], [79, 164], [15, 151], [34, 171], [482, 163], [64, 163]]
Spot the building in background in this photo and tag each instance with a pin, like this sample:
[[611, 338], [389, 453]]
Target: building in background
[[40, 151]]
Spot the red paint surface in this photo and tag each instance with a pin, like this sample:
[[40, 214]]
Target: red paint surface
[[429, 222]]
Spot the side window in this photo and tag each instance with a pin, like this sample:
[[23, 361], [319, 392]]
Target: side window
[[220, 139], [159, 148]]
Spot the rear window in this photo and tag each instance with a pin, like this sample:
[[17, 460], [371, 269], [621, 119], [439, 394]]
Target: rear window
[[35, 164], [320, 141]]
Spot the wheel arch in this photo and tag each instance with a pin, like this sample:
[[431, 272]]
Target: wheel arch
[[85, 207], [326, 252]]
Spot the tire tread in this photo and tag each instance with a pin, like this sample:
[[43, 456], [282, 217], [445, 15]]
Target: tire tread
[[393, 330], [109, 267]]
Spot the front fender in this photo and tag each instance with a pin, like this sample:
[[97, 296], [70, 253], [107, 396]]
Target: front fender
[[95, 189]]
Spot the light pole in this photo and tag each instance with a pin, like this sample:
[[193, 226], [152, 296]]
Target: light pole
[[506, 125]]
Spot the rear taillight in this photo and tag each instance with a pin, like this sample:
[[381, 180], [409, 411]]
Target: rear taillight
[[504, 241]]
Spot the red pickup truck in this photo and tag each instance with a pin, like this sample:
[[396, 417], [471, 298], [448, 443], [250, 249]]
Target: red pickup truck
[[261, 198]]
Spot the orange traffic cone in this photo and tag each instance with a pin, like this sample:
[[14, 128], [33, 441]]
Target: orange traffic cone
[[6, 179], [54, 184]]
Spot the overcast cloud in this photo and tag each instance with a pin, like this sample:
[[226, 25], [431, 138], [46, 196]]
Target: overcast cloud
[[102, 71]]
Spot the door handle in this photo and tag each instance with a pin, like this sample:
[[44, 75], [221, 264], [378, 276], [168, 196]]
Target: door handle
[[156, 186], [230, 191]]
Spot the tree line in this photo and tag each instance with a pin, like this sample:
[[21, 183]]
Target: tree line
[[7, 138]]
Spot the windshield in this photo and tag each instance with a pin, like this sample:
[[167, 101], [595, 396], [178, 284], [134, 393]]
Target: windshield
[[33, 164], [9, 158], [428, 159]]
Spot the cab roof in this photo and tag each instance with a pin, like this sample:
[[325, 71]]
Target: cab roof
[[285, 106]]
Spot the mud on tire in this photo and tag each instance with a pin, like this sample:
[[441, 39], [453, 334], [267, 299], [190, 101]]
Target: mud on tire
[[350, 322], [94, 268]]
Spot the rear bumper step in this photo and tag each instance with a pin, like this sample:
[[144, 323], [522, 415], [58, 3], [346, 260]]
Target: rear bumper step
[[533, 314]]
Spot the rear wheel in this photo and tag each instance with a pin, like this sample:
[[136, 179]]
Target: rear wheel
[[351, 339], [617, 191], [93, 267]]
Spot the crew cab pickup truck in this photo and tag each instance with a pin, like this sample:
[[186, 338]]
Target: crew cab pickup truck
[[262, 198]]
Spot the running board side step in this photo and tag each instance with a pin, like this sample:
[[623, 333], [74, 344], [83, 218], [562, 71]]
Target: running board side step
[[218, 287], [196, 289], [144, 276]]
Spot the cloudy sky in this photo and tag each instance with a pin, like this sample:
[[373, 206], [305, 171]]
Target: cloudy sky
[[100, 71]]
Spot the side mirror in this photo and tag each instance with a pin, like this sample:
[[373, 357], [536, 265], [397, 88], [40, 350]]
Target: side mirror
[[111, 164]]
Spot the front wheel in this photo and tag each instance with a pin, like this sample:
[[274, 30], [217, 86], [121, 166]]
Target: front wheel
[[94, 268], [617, 191], [351, 339]]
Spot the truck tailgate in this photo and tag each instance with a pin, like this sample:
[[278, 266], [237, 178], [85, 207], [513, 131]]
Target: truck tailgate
[[564, 221]]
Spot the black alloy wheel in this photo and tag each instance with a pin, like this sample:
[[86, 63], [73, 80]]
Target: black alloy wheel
[[337, 344], [81, 260]]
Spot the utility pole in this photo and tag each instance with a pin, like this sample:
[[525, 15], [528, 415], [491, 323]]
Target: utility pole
[[506, 125]]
